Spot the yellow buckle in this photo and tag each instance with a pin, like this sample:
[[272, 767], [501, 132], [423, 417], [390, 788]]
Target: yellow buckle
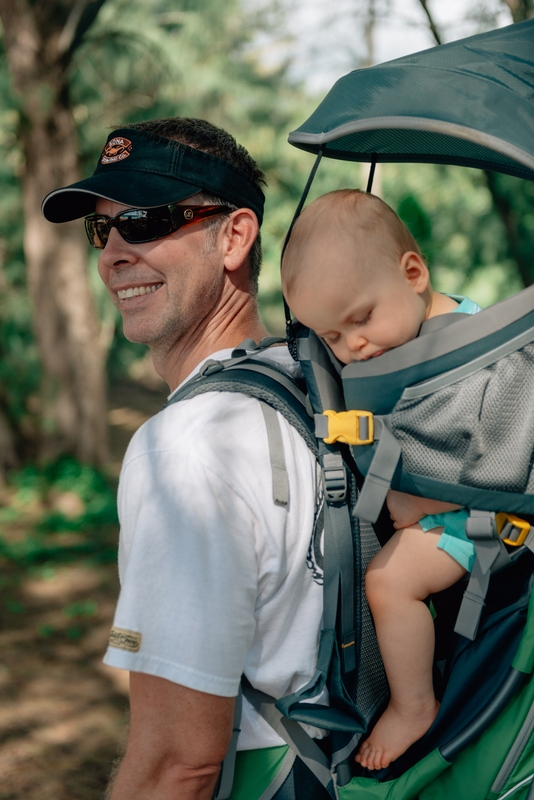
[[345, 426], [517, 524]]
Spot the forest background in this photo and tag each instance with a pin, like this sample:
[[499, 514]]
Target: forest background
[[72, 389]]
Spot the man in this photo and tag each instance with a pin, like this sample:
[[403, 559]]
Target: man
[[216, 579]]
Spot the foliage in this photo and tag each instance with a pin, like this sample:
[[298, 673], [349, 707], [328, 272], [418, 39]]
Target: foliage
[[194, 59], [147, 58], [58, 512], [450, 212]]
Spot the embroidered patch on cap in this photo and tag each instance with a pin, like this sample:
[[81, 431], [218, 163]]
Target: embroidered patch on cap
[[125, 640], [116, 149]]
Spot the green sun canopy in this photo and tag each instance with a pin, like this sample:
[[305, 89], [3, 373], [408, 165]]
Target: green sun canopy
[[469, 103]]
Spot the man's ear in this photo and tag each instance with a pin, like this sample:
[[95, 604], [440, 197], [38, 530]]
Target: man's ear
[[415, 271], [239, 232]]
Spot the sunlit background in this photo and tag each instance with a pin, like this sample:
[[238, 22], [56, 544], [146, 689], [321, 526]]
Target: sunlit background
[[72, 389]]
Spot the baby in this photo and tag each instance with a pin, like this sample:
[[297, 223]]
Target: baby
[[353, 273]]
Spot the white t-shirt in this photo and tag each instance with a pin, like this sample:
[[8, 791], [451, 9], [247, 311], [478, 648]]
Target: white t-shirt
[[216, 579]]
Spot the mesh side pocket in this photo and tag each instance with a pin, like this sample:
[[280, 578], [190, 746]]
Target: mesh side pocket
[[478, 431], [372, 682]]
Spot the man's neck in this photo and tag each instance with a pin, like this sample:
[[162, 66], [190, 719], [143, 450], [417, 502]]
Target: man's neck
[[226, 329]]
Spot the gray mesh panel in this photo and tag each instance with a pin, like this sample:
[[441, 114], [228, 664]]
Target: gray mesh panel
[[477, 432], [372, 683]]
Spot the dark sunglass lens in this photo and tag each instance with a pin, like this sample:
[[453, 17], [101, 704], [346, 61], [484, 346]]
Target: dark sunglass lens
[[145, 225], [101, 233], [97, 232]]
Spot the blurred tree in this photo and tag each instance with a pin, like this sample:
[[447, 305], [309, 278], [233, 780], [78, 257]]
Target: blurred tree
[[512, 197], [206, 59], [40, 40], [520, 9], [77, 70]]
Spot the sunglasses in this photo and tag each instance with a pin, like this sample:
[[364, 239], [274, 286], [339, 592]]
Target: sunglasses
[[139, 225]]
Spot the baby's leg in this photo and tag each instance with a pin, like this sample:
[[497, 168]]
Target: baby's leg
[[399, 578]]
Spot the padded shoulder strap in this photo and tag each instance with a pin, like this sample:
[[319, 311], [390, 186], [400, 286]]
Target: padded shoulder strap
[[321, 372], [256, 379]]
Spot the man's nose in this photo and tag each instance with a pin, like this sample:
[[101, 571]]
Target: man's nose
[[117, 251]]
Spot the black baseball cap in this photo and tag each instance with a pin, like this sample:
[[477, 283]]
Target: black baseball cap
[[142, 170]]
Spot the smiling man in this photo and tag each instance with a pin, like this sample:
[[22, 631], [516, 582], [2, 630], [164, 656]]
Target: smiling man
[[216, 579]]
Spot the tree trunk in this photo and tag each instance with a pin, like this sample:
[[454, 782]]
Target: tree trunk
[[73, 397], [520, 9]]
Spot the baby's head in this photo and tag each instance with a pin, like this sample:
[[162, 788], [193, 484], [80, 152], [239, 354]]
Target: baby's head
[[353, 273]]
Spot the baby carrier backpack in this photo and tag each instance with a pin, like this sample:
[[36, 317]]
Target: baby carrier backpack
[[480, 743], [447, 416]]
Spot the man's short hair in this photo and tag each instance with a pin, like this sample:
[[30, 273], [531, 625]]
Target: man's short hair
[[214, 140]]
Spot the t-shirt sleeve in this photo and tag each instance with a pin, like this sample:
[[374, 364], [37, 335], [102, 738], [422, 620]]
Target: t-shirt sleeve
[[188, 568]]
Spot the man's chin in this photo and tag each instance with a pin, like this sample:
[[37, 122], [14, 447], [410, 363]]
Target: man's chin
[[133, 334], [150, 335], [139, 334]]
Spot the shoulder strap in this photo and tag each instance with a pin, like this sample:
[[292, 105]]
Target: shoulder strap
[[277, 391], [256, 379]]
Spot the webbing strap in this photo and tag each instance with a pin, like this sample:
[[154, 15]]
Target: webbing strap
[[249, 346], [339, 565], [342, 530], [338, 554], [293, 734], [379, 476], [277, 456], [473, 602], [481, 530], [529, 541], [226, 777]]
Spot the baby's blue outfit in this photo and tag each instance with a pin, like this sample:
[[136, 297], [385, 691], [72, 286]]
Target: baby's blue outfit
[[454, 539]]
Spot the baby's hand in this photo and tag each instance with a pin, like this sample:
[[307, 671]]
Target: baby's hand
[[407, 509], [404, 509]]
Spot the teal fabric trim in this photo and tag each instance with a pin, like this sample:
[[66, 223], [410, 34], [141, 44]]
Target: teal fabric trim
[[465, 305], [462, 552], [453, 540], [452, 521]]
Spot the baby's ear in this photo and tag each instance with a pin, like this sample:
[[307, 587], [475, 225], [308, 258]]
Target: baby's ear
[[415, 271]]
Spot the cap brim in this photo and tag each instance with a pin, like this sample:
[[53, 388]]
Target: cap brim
[[79, 199]]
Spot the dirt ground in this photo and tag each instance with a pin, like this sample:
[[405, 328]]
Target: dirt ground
[[63, 714]]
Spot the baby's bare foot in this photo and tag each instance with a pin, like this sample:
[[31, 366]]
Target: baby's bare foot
[[394, 732]]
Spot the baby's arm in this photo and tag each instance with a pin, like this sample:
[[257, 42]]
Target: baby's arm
[[407, 509]]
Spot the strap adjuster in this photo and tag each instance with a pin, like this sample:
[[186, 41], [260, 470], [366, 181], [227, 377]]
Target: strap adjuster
[[335, 482], [350, 427], [512, 530], [210, 367]]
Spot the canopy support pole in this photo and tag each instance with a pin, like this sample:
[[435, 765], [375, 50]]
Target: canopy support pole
[[291, 342], [371, 173]]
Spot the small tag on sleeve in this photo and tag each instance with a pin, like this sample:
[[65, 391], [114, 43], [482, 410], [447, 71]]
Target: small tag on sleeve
[[125, 640]]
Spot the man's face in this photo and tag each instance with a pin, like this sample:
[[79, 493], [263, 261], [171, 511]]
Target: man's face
[[165, 288]]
